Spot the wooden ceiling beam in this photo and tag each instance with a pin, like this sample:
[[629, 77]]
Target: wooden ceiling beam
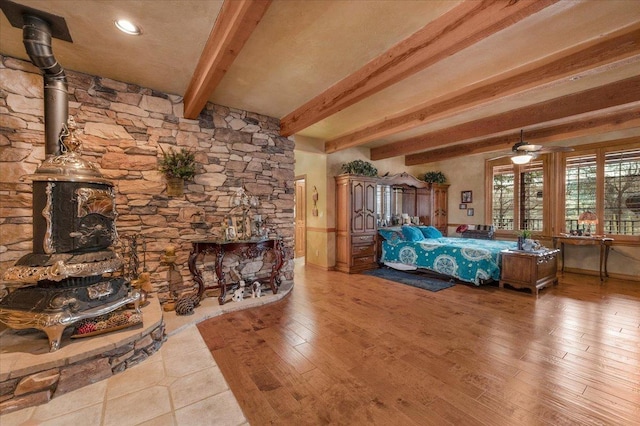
[[624, 119], [233, 27], [461, 27], [606, 96], [619, 47]]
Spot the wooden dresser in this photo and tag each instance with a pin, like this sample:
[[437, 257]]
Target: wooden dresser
[[532, 270], [356, 223]]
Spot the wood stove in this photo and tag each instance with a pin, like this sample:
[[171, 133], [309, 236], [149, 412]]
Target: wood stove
[[68, 276]]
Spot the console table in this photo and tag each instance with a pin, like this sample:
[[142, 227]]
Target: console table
[[603, 242], [247, 249]]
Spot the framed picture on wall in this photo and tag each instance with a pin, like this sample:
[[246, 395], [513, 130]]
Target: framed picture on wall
[[466, 197], [469, 212], [463, 206]]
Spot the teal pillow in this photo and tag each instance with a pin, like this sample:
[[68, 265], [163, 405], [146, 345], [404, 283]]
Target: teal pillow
[[430, 232], [411, 233]]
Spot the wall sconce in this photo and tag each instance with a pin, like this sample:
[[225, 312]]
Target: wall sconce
[[315, 201]]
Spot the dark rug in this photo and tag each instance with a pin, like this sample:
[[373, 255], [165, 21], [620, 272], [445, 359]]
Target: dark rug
[[412, 279]]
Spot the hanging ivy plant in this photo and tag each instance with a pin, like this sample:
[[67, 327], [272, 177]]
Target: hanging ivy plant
[[360, 167], [434, 177]]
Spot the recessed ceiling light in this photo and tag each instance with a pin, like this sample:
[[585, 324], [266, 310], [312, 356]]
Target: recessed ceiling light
[[128, 27]]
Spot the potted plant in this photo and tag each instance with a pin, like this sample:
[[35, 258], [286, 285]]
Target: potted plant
[[177, 167], [524, 240], [361, 168], [434, 177]]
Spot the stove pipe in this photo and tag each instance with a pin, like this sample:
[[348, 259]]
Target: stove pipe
[[37, 42]]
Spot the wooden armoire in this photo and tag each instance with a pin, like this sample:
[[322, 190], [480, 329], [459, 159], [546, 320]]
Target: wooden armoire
[[356, 223]]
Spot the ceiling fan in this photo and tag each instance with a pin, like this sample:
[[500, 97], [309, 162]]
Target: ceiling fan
[[522, 152]]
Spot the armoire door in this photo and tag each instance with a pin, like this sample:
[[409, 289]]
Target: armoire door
[[363, 204]]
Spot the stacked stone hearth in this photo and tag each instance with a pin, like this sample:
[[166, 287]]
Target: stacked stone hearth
[[40, 383], [122, 127]]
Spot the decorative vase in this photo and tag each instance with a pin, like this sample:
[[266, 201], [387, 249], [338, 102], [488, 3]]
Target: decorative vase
[[527, 245], [520, 242], [175, 187]]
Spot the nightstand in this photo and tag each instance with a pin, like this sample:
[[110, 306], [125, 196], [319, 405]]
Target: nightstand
[[529, 269]]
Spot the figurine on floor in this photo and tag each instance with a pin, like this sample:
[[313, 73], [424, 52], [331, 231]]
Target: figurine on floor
[[256, 289], [238, 295]]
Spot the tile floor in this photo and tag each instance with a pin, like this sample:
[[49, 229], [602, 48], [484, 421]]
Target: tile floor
[[180, 384]]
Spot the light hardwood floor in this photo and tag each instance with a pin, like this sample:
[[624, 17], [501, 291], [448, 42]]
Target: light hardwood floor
[[354, 349]]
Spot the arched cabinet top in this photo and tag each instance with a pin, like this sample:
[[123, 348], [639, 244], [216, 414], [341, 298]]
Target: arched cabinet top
[[404, 179]]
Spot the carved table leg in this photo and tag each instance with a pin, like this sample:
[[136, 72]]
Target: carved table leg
[[195, 273], [220, 274], [274, 280]]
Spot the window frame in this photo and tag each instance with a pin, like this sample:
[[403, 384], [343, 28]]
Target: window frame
[[548, 173], [600, 151], [554, 189]]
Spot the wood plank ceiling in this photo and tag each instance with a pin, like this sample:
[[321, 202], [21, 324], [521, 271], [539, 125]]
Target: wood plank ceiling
[[427, 80]]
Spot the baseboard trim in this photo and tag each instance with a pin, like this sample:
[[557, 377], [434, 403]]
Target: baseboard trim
[[314, 266], [597, 273]]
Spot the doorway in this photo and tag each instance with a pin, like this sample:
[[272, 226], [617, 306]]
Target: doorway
[[301, 217]]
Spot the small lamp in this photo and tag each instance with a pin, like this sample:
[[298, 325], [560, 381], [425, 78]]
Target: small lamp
[[588, 218]]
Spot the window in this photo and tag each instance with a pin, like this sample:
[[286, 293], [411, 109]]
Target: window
[[503, 197], [549, 194], [621, 187], [531, 193], [580, 189], [517, 196], [605, 181]]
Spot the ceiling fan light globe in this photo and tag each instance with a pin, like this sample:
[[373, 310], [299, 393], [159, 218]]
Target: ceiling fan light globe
[[521, 158]]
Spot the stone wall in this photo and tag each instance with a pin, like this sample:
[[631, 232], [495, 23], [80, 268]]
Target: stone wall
[[122, 128]]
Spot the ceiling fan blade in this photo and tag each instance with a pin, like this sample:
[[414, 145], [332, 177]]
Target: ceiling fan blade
[[528, 147], [546, 149], [500, 156]]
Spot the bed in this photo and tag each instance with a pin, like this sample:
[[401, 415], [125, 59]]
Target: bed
[[466, 259]]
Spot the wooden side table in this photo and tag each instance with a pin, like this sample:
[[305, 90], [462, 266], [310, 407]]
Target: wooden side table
[[603, 242], [248, 248], [529, 269]]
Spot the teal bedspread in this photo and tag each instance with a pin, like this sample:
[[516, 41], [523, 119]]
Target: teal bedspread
[[467, 259]]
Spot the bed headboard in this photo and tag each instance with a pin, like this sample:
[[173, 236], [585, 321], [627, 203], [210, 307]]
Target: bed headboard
[[406, 194]]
